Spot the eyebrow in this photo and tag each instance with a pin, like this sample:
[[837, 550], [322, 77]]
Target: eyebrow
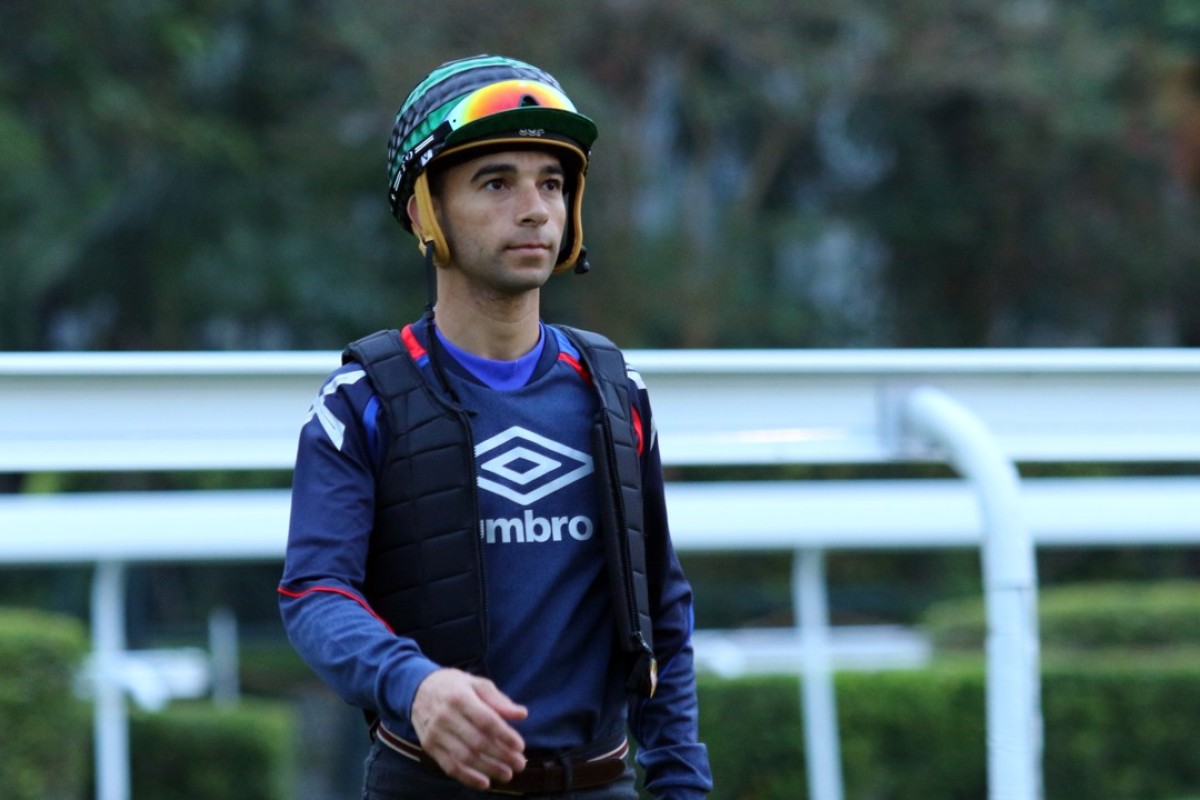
[[501, 168]]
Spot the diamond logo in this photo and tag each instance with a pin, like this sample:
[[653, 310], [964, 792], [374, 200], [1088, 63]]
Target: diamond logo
[[524, 467]]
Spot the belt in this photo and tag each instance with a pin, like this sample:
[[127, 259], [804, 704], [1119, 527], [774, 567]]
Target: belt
[[543, 773]]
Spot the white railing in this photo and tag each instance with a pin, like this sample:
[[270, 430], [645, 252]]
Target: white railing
[[981, 411]]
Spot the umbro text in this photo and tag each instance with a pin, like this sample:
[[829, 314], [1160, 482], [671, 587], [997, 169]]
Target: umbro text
[[535, 529]]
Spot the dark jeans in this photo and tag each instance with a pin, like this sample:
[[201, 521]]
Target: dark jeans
[[391, 776]]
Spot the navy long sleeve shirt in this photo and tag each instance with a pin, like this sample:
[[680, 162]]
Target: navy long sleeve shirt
[[550, 629]]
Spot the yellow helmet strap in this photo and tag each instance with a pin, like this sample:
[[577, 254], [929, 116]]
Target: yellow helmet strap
[[428, 230]]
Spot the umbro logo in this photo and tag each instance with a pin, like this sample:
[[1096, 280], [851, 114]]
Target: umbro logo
[[524, 467]]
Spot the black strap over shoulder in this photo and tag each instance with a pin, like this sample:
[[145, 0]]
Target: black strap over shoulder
[[375, 348], [424, 570], [618, 469]]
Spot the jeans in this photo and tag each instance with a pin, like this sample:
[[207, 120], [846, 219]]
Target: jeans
[[391, 776]]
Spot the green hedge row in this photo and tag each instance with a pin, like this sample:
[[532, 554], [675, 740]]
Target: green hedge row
[[1120, 701], [196, 751], [45, 730], [1121, 729], [1095, 616], [1118, 725]]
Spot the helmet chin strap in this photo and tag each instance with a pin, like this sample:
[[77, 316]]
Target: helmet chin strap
[[435, 361], [430, 279], [429, 232], [433, 244]]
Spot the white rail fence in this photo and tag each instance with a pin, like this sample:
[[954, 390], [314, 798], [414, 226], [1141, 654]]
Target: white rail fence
[[981, 411]]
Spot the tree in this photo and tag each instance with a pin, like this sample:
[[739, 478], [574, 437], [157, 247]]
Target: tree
[[209, 174]]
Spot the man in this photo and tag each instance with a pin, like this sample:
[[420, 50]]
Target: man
[[479, 555]]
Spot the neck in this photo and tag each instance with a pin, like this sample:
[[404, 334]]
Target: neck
[[499, 331]]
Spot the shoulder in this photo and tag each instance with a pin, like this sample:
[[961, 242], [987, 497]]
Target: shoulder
[[635, 377], [343, 401], [579, 337], [348, 379], [381, 350], [570, 340]]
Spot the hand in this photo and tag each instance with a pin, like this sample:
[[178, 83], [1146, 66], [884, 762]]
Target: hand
[[462, 722]]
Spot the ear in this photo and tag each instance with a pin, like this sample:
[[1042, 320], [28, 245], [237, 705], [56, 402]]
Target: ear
[[414, 216]]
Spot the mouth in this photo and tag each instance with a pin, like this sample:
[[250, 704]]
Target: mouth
[[528, 247]]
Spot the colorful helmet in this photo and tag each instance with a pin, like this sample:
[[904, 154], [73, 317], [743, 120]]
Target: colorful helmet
[[486, 101]]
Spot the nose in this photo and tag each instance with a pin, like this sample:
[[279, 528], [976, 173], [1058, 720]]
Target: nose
[[534, 208]]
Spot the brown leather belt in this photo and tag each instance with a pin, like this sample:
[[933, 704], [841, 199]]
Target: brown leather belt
[[543, 774]]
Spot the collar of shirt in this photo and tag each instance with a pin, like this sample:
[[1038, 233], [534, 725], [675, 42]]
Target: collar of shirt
[[499, 375]]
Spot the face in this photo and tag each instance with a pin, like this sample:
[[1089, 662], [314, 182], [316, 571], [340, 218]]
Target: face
[[503, 215]]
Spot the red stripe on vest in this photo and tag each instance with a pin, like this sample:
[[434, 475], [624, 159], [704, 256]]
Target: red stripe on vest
[[410, 341], [575, 365], [583, 373]]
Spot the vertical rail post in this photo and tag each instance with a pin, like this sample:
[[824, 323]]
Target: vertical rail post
[[223, 655], [1014, 716], [110, 715], [821, 741]]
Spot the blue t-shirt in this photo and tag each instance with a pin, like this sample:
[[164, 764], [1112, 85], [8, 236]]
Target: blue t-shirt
[[550, 626], [499, 375]]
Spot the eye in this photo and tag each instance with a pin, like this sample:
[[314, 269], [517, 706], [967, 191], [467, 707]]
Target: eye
[[553, 184]]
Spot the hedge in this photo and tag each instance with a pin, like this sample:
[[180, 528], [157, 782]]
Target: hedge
[[199, 751], [1120, 704], [196, 751], [1119, 724], [1086, 617], [44, 730], [1124, 728]]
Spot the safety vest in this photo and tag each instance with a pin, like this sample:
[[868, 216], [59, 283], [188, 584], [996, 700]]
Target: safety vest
[[424, 572]]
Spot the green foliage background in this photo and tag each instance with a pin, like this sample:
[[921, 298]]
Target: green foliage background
[[43, 725], [208, 174], [202, 751], [1112, 730]]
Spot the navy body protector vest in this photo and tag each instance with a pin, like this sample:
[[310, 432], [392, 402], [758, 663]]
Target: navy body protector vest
[[424, 572]]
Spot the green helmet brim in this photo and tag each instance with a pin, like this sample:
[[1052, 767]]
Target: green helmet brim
[[532, 123]]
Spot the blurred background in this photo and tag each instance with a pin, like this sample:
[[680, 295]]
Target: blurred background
[[976, 173], [210, 175]]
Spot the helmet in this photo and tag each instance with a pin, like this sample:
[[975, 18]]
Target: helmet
[[486, 101]]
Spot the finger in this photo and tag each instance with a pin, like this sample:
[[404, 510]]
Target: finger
[[494, 740], [494, 712], [477, 768], [499, 771], [460, 760], [476, 737], [466, 775], [499, 702]]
